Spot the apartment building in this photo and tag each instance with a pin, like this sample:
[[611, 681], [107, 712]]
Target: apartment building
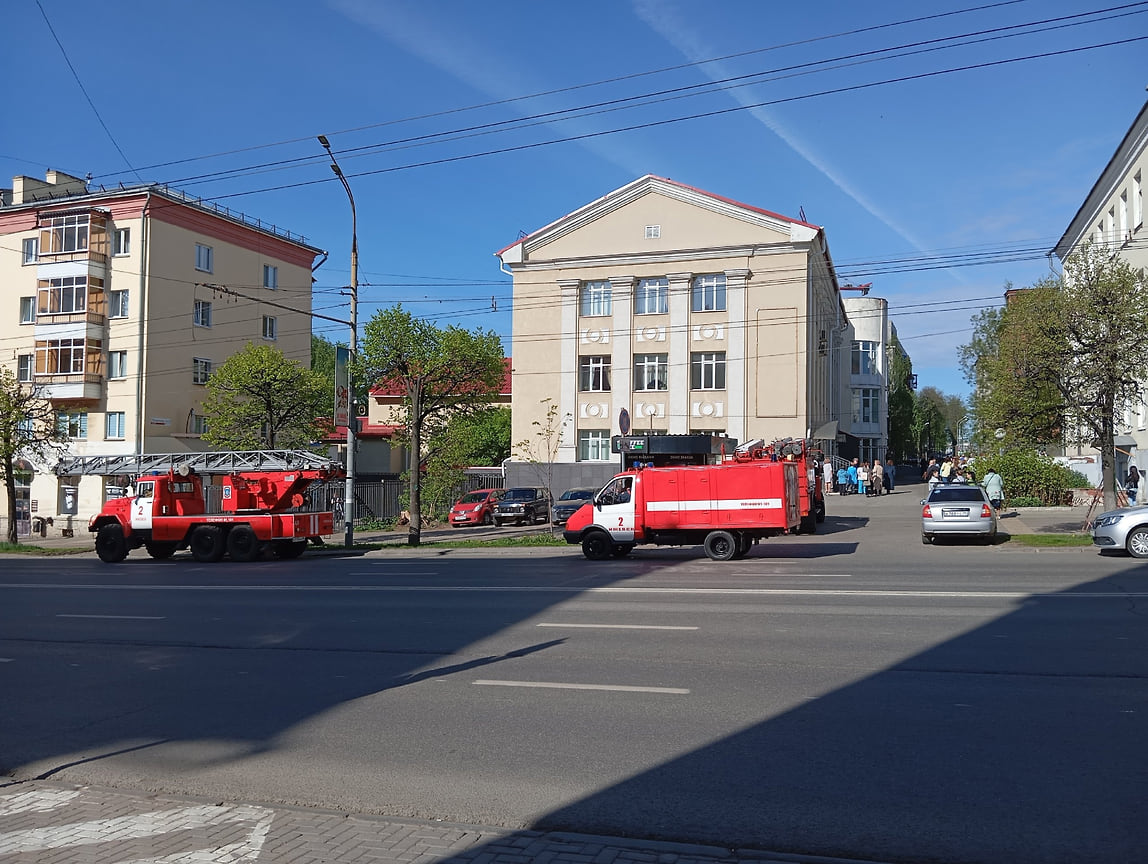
[[695, 313], [112, 314], [871, 335], [1112, 216]]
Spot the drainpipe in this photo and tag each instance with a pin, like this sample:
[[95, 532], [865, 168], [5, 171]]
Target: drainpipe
[[145, 229]]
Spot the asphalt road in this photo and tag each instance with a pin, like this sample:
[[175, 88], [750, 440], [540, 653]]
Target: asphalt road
[[853, 694]]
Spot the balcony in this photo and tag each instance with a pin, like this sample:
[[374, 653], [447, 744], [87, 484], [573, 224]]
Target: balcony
[[70, 387]]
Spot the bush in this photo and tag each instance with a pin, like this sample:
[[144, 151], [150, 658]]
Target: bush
[[1032, 477]]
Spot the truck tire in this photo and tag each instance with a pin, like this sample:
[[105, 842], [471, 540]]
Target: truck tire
[[808, 525], [720, 545], [597, 545], [285, 550], [622, 550], [160, 549], [110, 544], [242, 544], [819, 510], [207, 544]]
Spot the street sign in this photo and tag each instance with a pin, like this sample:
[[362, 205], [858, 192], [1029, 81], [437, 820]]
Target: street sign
[[624, 422]]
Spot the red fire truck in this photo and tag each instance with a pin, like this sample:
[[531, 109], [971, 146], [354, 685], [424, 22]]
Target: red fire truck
[[262, 504], [761, 491]]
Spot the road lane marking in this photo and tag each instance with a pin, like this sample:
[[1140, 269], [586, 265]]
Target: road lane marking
[[36, 801], [113, 617], [559, 685], [618, 626]]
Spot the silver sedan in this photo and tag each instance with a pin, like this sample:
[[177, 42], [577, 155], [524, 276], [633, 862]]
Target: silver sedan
[[957, 509], [1125, 530]]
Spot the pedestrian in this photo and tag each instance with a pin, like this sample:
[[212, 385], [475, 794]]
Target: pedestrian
[[863, 487], [827, 470], [947, 470], [890, 476], [842, 481], [852, 476], [877, 475], [994, 488], [1131, 483], [931, 474]]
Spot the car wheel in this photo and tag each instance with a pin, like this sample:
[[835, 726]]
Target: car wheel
[[720, 545], [597, 545], [487, 519], [110, 544], [1137, 542], [207, 544]]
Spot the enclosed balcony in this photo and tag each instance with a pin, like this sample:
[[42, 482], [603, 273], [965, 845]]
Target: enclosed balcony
[[70, 369], [73, 236]]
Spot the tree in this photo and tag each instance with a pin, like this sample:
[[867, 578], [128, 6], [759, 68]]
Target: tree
[[901, 402], [323, 356], [441, 372], [481, 438], [259, 398], [542, 449], [28, 429]]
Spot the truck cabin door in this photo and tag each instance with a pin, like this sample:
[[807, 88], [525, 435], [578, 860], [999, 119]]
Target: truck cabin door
[[614, 507], [142, 503]]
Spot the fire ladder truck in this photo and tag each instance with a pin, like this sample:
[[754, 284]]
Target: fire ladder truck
[[262, 503]]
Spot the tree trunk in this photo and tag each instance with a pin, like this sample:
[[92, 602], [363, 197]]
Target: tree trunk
[[1108, 455], [10, 483], [414, 532]]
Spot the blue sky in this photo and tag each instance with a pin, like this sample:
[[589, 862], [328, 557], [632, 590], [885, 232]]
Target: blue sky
[[841, 110]]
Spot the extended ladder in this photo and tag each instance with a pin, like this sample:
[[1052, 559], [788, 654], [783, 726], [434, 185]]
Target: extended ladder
[[222, 462]]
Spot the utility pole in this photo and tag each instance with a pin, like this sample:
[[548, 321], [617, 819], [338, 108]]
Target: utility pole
[[352, 419]]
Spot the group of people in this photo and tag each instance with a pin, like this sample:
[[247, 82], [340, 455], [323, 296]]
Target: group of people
[[867, 478], [957, 470]]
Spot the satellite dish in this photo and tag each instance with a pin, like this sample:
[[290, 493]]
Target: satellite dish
[[1000, 433]]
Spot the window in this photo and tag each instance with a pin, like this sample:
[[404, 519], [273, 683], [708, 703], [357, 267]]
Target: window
[[204, 258], [1137, 202], [270, 276], [652, 297], [74, 424], [198, 424], [117, 364], [1123, 216], [653, 232], [707, 370], [200, 370], [593, 445], [864, 358], [31, 250], [61, 234], [270, 327], [25, 367], [202, 315], [865, 404], [114, 424], [595, 299], [117, 304], [651, 371], [60, 357], [707, 294], [63, 296], [594, 374], [27, 310], [122, 241]]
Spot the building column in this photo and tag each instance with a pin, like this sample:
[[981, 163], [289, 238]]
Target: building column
[[622, 358], [679, 354], [568, 369], [737, 322]]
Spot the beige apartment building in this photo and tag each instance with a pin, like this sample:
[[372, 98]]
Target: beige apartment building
[[694, 312], [112, 313], [1112, 216]]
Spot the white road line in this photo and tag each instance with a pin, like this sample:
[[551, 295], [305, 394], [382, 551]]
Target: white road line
[[558, 685], [113, 617], [618, 626], [145, 825], [541, 589], [36, 801], [7, 659]]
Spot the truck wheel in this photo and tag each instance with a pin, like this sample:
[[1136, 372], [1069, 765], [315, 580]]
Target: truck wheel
[[819, 511], [720, 545], [622, 550], [161, 549], [744, 544], [110, 544], [286, 549], [597, 545], [242, 544], [808, 525], [207, 544]]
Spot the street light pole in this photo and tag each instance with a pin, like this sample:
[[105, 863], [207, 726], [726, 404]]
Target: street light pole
[[352, 420]]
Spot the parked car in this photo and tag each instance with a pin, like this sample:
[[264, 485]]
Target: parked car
[[475, 508], [957, 509], [570, 502], [522, 504], [1124, 529]]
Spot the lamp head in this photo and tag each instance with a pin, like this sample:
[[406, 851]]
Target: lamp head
[[323, 141]]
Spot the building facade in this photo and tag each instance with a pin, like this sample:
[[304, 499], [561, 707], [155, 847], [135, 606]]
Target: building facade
[[1112, 216], [693, 312], [871, 335], [114, 317]]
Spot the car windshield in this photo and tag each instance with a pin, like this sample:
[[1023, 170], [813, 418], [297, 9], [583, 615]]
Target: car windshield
[[473, 498], [519, 495], [945, 494], [577, 494]]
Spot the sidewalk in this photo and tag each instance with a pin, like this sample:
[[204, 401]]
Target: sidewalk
[[43, 820]]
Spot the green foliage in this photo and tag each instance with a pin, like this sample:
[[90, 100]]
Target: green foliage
[[323, 356], [260, 399], [902, 440], [1030, 476]]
